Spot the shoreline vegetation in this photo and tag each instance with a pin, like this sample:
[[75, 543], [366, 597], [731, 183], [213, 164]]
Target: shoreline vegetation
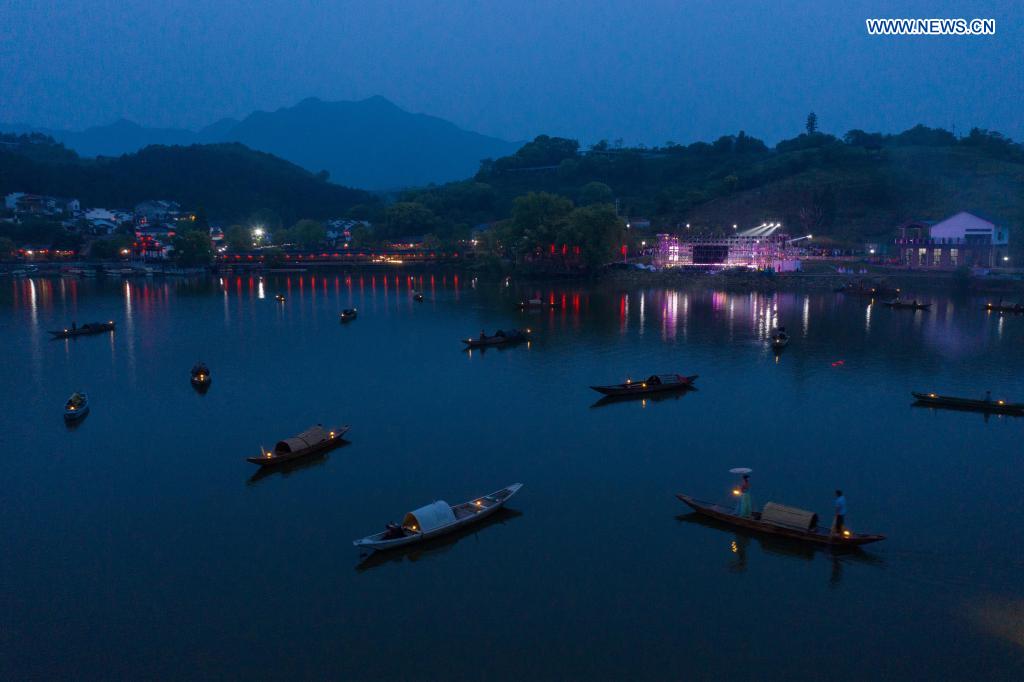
[[552, 203]]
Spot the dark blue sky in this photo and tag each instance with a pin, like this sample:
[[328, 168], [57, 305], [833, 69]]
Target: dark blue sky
[[645, 71]]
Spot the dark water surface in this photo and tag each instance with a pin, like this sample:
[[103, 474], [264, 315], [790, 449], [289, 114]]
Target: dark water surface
[[139, 545]]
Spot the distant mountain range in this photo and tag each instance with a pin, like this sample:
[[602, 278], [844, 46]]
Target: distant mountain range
[[371, 144]]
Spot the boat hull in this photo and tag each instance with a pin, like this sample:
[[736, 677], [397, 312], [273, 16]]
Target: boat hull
[[324, 446], [816, 537], [638, 388], [379, 544], [953, 403]]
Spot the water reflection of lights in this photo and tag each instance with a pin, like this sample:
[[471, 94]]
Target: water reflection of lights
[[807, 314], [642, 312], [734, 547], [867, 317], [260, 293], [670, 315]]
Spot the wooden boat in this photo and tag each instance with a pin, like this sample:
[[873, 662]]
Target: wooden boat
[[1005, 307], [280, 298], [656, 383], [200, 375], [84, 330], [311, 441], [348, 314], [76, 407], [537, 303], [779, 338], [983, 405], [907, 305], [777, 519], [417, 296], [500, 338], [436, 519]]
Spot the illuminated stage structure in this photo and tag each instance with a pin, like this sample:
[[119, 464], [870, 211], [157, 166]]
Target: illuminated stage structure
[[758, 248]]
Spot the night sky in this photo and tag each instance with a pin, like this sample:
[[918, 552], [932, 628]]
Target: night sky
[[644, 71]]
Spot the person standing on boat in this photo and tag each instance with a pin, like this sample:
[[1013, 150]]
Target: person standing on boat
[[840, 522], [743, 504]]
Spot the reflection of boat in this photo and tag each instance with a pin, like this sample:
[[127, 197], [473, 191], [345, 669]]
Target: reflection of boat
[[288, 468], [500, 338], [84, 330], [348, 314], [537, 303], [779, 338], [656, 383], [776, 519], [437, 518], [907, 305], [974, 405], [437, 545], [313, 440], [76, 407], [200, 375], [607, 400]]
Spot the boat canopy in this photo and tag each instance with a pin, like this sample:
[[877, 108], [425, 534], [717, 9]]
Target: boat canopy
[[657, 379], [308, 438], [429, 517], [781, 515]]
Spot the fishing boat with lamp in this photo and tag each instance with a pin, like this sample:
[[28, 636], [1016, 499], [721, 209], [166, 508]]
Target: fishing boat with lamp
[[985, 404], [279, 298], [314, 440], [1001, 307], [780, 339], [500, 338], [437, 518], [85, 330], [656, 383], [417, 296], [200, 375], [780, 520], [348, 314], [76, 407]]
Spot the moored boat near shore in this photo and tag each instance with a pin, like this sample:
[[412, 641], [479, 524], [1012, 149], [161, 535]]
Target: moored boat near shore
[[311, 441], [348, 314], [537, 303], [907, 305], [436, 519], [971, 404], [656, 383], [776, 519], [1001, 307]]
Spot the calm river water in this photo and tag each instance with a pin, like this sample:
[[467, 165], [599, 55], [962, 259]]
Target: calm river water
[[140, 545]]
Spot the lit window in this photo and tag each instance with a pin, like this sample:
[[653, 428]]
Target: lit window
[[954, 256]]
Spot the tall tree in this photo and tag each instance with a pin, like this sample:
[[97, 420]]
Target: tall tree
[[812, 123]]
